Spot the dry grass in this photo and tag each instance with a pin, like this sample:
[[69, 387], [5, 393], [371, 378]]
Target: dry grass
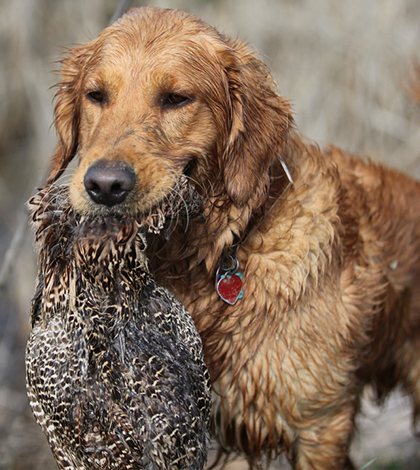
[[342, 64]]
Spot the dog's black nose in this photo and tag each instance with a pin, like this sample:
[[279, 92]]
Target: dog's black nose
[[109, 182]]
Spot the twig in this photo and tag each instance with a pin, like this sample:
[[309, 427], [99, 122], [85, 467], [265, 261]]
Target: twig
[[12, 252], [368, 464], [120, 10]]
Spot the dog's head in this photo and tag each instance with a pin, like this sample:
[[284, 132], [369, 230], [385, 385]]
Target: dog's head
[[157, 95]]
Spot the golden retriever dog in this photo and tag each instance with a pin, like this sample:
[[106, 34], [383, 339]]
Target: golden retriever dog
[[303, 293]]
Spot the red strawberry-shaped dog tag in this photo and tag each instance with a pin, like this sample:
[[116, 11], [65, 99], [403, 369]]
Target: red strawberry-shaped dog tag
[[229, 286]]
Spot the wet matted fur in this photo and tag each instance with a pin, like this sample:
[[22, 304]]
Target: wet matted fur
[[330, 270]]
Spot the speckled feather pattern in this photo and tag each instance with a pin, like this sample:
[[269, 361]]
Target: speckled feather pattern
[[115, 370]]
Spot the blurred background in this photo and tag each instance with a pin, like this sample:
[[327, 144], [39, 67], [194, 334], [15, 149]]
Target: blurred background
[[343, 64]]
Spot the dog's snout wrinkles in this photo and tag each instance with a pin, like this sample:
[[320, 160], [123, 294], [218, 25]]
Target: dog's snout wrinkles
[[109, 182]]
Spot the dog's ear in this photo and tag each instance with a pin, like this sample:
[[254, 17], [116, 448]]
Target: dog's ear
[[67, 109], [259, 123]]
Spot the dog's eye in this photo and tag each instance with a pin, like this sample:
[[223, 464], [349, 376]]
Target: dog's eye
[[175, 99], [96, 97]]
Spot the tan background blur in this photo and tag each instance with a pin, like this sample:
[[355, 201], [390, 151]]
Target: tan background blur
[[343, 64]]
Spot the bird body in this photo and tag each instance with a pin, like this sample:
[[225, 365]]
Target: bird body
[[115, 370]]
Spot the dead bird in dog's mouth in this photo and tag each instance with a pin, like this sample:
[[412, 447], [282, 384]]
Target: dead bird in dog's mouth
[[115, 369]]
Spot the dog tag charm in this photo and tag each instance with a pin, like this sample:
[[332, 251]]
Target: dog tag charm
[[229, 279], [229, 286]]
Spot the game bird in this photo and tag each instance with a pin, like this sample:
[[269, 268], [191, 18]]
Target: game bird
[[115, 370]]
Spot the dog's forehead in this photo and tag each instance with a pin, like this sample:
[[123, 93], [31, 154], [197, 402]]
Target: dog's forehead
[[157, 54], [163, 26], [161, 34]]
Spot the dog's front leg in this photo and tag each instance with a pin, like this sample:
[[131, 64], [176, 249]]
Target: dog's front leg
[[325, 444]]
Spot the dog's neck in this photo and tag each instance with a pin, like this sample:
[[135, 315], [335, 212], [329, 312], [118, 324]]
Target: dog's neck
[[195, 252], [228, 279]]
